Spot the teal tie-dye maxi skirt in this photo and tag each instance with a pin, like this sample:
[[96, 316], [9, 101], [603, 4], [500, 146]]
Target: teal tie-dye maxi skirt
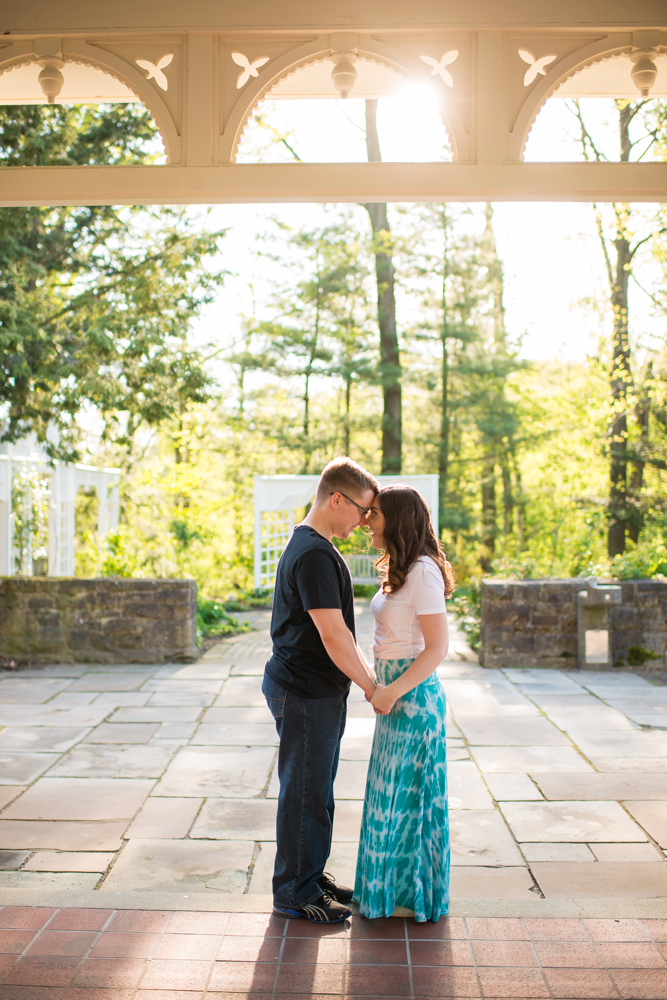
[[404, 847]]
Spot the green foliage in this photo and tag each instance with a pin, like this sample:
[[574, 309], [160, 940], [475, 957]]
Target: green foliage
[[96, 302], [214, 620], [467, 607], [637, 656], [643, 561]]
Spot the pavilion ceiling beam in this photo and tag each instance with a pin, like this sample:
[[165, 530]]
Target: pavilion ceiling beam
[[332, 182]]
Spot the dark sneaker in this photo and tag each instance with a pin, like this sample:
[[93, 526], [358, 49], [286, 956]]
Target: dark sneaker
[[340, 893], [323, 910]]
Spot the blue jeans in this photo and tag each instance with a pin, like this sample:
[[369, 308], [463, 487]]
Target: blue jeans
[[310, 731]]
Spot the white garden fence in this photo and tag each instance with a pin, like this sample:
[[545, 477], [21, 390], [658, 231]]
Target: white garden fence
[[64, 482], [277, 498]]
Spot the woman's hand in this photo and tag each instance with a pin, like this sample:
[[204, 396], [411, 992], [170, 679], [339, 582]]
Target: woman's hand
[[383, 700]]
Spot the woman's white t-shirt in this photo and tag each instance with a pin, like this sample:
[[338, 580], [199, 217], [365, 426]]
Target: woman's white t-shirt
[[398, 635]]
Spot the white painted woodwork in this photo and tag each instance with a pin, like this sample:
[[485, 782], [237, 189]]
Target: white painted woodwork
[[203, 67]]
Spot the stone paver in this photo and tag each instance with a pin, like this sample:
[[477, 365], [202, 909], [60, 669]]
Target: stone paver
[[163, 777]]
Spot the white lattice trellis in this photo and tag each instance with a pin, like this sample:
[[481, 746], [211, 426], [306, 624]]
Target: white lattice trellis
[[276, 499], [64, 483]]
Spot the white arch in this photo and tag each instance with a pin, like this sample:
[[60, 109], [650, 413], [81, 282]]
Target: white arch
[[563, 70], [317, 51], [82, 53]]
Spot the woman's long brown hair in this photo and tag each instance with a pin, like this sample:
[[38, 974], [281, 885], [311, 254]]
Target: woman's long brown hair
[[408, 534]]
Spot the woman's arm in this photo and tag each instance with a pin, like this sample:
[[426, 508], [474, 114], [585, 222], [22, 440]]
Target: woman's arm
[[436, 639]]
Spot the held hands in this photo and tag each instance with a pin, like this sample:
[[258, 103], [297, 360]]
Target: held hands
[[383, 700]]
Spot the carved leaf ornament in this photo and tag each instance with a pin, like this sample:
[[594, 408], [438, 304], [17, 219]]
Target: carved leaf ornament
[[154, 70], [536, 67], [248, 68], [438, 67]]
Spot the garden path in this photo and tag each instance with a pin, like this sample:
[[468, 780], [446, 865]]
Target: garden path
[[153, 788]]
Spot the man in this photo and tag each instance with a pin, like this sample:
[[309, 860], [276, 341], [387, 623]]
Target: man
[[306, 683]]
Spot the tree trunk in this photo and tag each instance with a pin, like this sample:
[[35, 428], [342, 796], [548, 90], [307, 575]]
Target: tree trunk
[[642, 410], [390, 363], [489, 527], [443, 451], [346, 427], [620, 370], [508, 498]]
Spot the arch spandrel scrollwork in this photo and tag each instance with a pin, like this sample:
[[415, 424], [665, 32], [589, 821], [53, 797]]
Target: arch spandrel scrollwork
[[236, 114], [105, 60], [572, 58]]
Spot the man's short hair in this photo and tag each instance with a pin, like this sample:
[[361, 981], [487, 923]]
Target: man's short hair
[[342, 475]]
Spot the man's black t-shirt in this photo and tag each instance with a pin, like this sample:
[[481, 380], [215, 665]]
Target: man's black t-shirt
[[311, 574]]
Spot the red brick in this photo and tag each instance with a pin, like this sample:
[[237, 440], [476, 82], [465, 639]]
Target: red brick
[[62, 943], [446, 927], [657, 928], [188, 922], [242, 977], [112, 973], [385, 980], [512, 984], [555, 929], [49, 970], [192, 946], [496, 929], [440, 953], [312, 979], [382, 928], [75, 993], [30, 993], [166, 995], [247, 924], [72, 919], [616, 930], [25, 916], [6, 963], [13, 942], [148, 921], [631, 956], [312, 950], [249, 949], [369, 952], [307, 929], [580, 984], [230, 996], [641, 984], [568, 955], [508, 953], [444, 982], [178, 974], [110, 945]]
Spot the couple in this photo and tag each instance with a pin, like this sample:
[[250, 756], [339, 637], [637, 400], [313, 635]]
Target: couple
[[403, 862]]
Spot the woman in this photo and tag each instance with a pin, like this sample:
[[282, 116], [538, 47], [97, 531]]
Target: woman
[[403, 863]]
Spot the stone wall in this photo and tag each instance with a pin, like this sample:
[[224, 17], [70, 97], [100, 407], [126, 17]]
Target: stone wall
[[533, 623], [98, 621]]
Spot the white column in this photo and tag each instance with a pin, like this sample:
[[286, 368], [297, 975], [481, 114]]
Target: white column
[[257, 537], [5, 516], [53, 524], [491, 123], [199, 120]]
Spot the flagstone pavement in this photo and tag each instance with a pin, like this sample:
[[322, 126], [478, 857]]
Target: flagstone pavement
[[137, 835]]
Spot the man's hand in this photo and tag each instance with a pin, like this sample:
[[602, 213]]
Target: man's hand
[[383, 700]]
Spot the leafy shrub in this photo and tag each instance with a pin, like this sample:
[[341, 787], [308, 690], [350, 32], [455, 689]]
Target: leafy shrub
[[213, 620], [467, 606], [640, 562]]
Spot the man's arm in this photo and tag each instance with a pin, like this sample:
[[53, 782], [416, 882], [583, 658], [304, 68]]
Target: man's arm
[[343, 650]]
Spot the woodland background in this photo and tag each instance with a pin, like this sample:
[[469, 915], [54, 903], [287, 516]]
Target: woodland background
[[380, 334]]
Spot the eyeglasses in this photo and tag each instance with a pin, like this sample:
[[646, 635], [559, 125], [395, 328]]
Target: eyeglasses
[[364, 510]]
